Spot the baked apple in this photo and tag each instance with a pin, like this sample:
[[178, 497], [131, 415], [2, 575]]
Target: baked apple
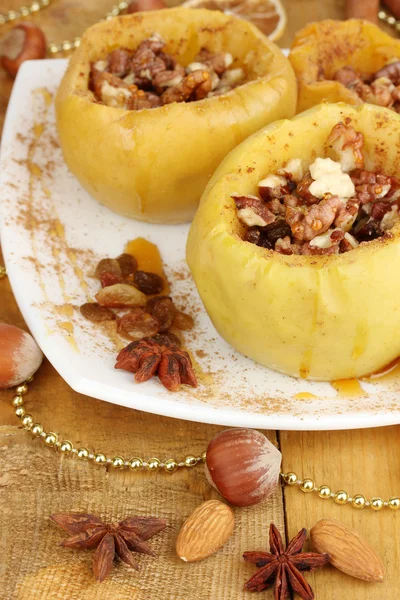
[[146, 110], [346, 61], [295, 243]]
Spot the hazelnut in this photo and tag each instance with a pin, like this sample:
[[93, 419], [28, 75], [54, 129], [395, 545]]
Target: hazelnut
[[143, 5], [243, 466], [24, 42], [20, 356]]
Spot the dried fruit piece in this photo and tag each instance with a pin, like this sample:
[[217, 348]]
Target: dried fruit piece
[[148, 283], [137, 324], [183, 321], [207, 529], [108, 271], [148, 258], [347, 550], [120, 295], [167, 338], [243, 466], [96, 313], [162, 308], [128, 264]]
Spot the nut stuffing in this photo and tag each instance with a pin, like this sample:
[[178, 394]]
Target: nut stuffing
[[330, 209], [381, 88], [149, 77]]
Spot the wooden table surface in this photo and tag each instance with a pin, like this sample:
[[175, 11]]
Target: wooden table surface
[[35, 481]]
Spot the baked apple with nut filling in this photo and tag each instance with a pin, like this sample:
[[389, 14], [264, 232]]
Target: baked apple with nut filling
[[296, 240], [350, 61], [152, 102]]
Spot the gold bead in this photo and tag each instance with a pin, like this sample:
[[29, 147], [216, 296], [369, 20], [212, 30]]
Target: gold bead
[[66, 446], [12, 15], [117, 462], [341, 497], [50, 439], [99, 458], [391, 20], [3, 20], [153, 464], [37, 429], [83, 453], [382, 14], [20, 411], [204, 456], [22, 389], [376, 503], [17, 401], [171, 465], [45, 2], [307, 485], [290, 478], [123, 6], [115, 11], [77, 42], [35, 7], [3, 271], [53, 48], [30, 379], [27, 421], [66, 46], [190, 461], [394, 502], [324, 491], [135, 463], [358, 501], [398, 25]]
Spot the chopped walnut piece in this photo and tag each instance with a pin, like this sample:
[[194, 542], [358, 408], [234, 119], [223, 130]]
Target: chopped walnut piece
[[348, 144], [96, 313], [120, 295], [389, 218], [219, 61], [390, 71], [252, 211], [303, 189], [108, 271], [348, 243], [273, 186], [138, 324], [293, 170], [285, 246], [167, 79], [162, 308], [119, 62], [198, 84], [232, 77], [308, 223], [348, 77], [379, 92], [112, 90], [330, 179]]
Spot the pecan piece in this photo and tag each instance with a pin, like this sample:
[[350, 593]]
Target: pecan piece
[[166, 79], [120, 295], [348, 77], [219, 62], [138, 324], [108, 271], [379, 92], [285, 246], [119, 62], [252, 211], [347, 214], [162, 309], [273, 186], [148, 283], [112, 91], [391, 71], [306, 224], [348, 144], [303, 189], [198, 84], [96, 313]]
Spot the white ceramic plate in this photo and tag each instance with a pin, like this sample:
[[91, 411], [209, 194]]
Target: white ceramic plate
[[53, 233]]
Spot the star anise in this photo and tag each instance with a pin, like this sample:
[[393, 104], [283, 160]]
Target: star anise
[[88, 531], [283, 567], [161, 355]]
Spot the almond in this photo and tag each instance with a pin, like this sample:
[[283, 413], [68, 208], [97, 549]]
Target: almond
[[207, 529], [348, 551]]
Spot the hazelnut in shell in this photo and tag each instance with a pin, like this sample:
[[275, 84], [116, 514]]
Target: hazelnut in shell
[[243, 466], [20, 356], [24, 42]]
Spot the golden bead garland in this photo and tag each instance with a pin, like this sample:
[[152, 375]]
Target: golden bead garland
[[389, 20], [52, 440], [23, 12], [171, 465]]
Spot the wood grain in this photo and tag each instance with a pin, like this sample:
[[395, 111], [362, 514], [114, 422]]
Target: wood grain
[[35, 481]]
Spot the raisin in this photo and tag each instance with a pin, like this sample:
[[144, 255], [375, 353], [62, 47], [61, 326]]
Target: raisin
[[120, 295], [96, 313], [128, 264], [367, 230], [253, 235], [167, 339], [108, 271], [138, 324], [183, 321], [161, 308], [148, 283], [270, 234]]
